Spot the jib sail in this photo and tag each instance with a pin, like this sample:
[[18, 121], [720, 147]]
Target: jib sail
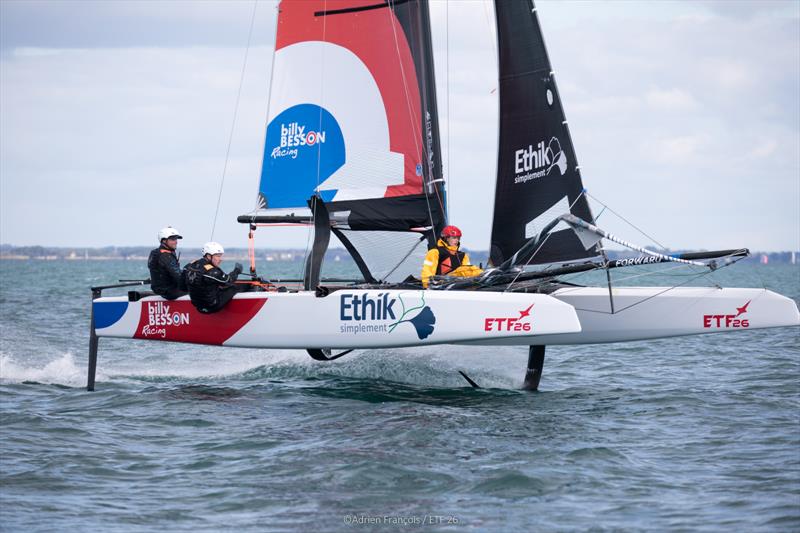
[[352, 115], [537, 173]]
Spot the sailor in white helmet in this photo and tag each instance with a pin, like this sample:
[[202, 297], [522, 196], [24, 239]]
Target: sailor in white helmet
[[165, 269], [209, 287]]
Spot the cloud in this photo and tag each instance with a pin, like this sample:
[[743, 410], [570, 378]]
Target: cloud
[[764, 149], [120, 112], [135, 133], [670, 100], [751, 10], [133, 23], [731, 75], [677, 150]]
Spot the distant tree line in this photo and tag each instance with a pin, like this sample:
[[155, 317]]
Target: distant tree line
[[8, 251]]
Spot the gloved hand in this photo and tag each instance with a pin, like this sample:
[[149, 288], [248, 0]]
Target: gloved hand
[[237, 269]]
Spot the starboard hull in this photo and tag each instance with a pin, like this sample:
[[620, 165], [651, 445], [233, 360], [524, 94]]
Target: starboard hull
[[642, 313], [384, 319], [341, 320]]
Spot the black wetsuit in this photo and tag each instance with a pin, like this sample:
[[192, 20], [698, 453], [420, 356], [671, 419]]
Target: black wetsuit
[[209, 287], [165, 273]]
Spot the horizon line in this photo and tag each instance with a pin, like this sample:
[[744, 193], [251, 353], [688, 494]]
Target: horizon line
[[83, 247]]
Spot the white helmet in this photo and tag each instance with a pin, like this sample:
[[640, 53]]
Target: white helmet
[[168, 232], [213, 248]]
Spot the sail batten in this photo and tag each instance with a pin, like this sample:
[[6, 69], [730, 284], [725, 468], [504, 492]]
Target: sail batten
[[342, 11], [537, 170]]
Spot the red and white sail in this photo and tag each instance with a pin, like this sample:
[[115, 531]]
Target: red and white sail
[[352, 113]]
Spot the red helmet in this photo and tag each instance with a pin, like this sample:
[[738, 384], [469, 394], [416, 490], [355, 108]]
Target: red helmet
[[451, 231]]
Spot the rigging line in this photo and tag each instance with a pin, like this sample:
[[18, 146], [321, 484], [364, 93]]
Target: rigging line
[[761, 278], [581, 224], [308, 256], [664, 272], [667, 267], [408, 254], [546, 238], [440, 193], [269, 102], [233, 123], [492, 29], [447, 94], [575, 201], [321, 91], [416, 135], [631, 224], [313, 228], [409, 107], [422, 153], [528, 262], [662, 292]]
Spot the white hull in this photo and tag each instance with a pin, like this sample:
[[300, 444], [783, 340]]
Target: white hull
[[382, 319], [343, 319], [657, 312]]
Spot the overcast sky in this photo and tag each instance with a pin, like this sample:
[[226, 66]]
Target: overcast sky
[[115, 118]]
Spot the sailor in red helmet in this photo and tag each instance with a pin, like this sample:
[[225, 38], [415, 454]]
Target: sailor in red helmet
[[446, 259]]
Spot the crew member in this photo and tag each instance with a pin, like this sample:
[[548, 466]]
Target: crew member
[[209, 287], [446, 259], [165, 269]]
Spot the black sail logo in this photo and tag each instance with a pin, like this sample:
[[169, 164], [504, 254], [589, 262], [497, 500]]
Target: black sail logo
[[538, 161]]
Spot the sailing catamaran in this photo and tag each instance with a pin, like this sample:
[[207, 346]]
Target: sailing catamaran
[[352, 149]]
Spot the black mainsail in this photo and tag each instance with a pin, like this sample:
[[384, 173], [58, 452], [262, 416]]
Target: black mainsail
[[538, 177]]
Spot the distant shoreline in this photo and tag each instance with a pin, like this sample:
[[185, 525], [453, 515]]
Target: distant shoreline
[[140, 253]]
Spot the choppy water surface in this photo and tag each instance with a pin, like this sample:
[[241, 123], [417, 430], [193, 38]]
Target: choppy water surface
[[696, 433]]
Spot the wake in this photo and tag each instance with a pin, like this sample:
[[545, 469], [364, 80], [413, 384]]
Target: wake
[[417, 367]]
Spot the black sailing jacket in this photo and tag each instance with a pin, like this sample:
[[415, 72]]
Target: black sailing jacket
[[165, 271], [204, 282]]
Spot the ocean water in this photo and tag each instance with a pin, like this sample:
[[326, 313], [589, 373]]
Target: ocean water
[[689, 434]]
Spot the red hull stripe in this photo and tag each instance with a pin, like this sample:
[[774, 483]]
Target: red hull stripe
[[179, 321]]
